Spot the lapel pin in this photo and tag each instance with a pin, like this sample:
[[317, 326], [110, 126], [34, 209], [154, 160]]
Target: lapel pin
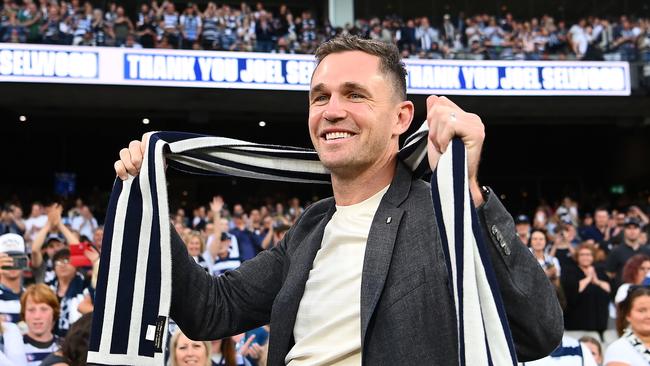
[[389, 219]]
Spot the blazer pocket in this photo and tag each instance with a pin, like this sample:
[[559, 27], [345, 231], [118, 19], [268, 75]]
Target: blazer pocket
[[402, 286]]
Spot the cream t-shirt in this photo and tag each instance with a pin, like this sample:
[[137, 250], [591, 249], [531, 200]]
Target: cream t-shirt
[[328, 324]]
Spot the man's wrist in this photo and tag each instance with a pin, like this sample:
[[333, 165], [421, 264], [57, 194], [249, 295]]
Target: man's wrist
[[478, 194]]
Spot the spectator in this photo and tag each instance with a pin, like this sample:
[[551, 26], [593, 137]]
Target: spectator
[[75, 345], [82, 22], [587, 292], [625, 39], [594, 347], [11, 221], [184, 351], [146, 32], [102, 30], [579, 38], [169, 23], [145, 11], [601, 230], [46, 244], [190, 26], [249, 243], [224, 352], [448, 31], [522, 227], [69, 286], [131, 42], [122, 26], [210, 35], [550, 264], [11, 278], [111, 13], [631, 245], [635, 273], [40, 312], [85, 223], [196, 247], [632, 326], [12, 352], [36, 220], [264, 35], [426, 35], [406, 37], [14, 32]]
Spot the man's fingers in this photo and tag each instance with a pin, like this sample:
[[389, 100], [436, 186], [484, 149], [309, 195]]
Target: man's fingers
[[125, 157], [431, 101], [145, 142], [444, 101], [120, 170], [136, 154]]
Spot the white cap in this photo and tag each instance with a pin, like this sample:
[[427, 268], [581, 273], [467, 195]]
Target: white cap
[[12, 243]]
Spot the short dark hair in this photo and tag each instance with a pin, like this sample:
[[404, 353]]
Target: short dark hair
[[390, 62]]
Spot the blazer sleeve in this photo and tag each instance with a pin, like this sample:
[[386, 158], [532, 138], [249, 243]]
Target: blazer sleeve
[[207, 307], [530, 300]]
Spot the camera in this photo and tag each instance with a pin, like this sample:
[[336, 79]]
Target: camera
[[20, 262]]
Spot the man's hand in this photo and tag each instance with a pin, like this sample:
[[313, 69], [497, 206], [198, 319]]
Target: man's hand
[[131, 158], [446, 120]]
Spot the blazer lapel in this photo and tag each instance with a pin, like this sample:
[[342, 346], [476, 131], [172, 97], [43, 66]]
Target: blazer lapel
[[381, 241], [285, 308]]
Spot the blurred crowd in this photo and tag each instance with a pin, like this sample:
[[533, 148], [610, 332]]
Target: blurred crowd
[[598, 261], [279, 30], [49, 261]]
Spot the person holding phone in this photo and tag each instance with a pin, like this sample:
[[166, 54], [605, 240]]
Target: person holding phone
[[12, 263]]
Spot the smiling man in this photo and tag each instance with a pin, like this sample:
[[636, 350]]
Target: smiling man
[[361, 277]]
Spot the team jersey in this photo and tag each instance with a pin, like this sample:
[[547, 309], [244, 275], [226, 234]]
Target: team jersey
[[9, 305], [36, 351]]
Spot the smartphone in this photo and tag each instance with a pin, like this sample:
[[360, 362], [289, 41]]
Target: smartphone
[[20, 262], [79, 248], [77, 257]]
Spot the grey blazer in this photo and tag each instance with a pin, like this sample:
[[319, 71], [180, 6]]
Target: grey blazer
[[407, 314]]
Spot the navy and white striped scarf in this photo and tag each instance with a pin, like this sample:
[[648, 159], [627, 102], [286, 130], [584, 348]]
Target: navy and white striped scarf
[[134, 284]]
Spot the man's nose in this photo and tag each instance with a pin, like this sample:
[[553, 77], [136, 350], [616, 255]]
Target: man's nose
[[334, 111]]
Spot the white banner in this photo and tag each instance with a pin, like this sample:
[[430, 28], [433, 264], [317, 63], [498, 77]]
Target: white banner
[[243, 70]]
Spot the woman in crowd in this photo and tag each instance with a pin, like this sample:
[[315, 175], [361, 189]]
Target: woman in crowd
[[195, 247], [594, 346], [69, 286], [537, 244], [634, 273], [633, 325], [184, 351], [587, 292]]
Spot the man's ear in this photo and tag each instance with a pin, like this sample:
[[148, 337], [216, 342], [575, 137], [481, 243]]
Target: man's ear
[[405, 112]]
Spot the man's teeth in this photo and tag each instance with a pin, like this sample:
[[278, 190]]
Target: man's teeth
[[337, 135]]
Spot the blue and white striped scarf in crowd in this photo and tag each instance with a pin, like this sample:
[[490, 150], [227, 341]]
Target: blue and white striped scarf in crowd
[[134, 284]]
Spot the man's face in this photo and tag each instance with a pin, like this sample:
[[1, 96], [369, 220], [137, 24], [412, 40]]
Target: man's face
[[353, 113], [632, 232], [10, 274], [39, 317], [601, 217]]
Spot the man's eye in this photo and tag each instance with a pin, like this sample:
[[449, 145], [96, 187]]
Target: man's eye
[[320, 98], [356, 96]]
